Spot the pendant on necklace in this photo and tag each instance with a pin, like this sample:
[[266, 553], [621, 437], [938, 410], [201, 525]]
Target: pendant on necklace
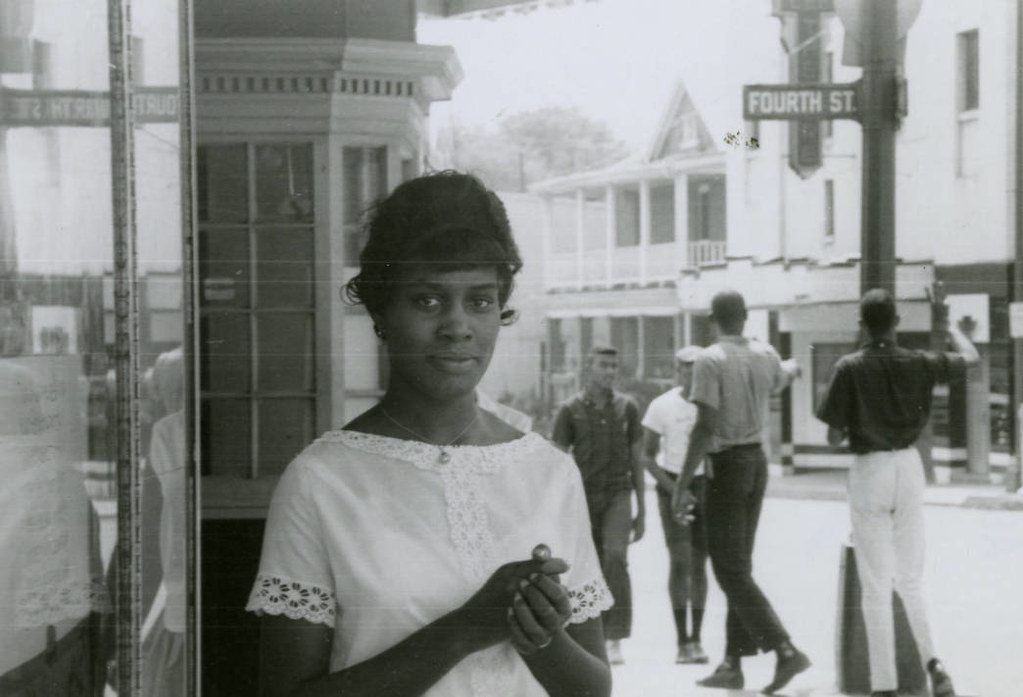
[[444, 457]]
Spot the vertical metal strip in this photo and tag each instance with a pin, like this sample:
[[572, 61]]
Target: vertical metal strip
[[189, 279], [254, 356], [126, 354]]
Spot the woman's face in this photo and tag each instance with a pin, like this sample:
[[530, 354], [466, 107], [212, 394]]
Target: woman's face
[[440, 329]]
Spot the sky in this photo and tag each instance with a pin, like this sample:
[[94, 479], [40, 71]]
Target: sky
[[616, 60]]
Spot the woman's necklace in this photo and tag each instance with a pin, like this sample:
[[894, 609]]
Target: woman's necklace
[[444, 457]]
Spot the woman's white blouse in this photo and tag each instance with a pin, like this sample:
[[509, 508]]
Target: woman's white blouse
[[376, 538]]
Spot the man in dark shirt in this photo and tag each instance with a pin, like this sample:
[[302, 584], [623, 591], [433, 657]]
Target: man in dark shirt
[[601, 429], [879, 398]]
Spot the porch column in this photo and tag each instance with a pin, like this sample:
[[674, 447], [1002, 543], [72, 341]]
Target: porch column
[[644, 228], [610, 227], [580, 234], [547, 230], [682, 219]]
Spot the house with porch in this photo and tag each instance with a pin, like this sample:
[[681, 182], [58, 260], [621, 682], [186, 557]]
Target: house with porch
[[615, 240]]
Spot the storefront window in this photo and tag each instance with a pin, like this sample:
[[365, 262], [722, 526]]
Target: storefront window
[[92, 366]]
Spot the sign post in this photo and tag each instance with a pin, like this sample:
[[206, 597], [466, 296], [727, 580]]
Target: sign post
[[879, 121]]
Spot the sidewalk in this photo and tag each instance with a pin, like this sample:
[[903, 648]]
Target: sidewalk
[[830, 485]]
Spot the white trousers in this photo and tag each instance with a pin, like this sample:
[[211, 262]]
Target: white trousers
[[886, 499]]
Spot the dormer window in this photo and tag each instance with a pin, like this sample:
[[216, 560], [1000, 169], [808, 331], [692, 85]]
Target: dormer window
[[688, 131]]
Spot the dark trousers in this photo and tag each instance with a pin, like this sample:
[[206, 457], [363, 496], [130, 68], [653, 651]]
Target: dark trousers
[[687, 547], [734, 499], [611, 524]]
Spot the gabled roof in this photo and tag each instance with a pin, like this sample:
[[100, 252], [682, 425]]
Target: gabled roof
[[680, 106], [660, 159]]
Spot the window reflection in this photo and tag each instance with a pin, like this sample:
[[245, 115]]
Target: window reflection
[[60, 422]]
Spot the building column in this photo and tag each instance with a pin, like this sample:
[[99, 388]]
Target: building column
[[547, 230], [682, 218], [610, 228], [640, 347], [978, 419], [580, 234], [644, 229]]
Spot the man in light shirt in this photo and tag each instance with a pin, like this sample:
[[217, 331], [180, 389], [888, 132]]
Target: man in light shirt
[[732, 382], [666, 427]]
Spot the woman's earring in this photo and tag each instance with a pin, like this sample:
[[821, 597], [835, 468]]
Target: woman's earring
[[379, 332]]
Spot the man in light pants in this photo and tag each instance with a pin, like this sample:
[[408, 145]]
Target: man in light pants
[[879, 398]]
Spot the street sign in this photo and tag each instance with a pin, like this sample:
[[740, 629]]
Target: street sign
[[801, 102], [82, 108]]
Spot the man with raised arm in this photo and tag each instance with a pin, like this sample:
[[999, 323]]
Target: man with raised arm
[[879, 400]]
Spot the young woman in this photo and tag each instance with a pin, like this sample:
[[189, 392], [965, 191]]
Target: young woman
[[400, 555]]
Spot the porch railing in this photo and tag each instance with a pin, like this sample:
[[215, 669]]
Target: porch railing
[[706, 252]]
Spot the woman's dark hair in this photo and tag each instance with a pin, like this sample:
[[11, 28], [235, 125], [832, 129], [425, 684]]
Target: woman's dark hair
[[445, 219]]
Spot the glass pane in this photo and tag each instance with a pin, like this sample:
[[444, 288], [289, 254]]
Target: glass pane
[[223, 184], [285, 427], [285, 352], [163, 449], [365, 180], [226, 437], [61, 426], [224, 353], [284, 183], [58, 507], [284, 271], [224, 268]]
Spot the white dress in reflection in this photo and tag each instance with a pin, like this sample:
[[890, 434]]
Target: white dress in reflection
[[163, 648], [376, 537], [50, 572]]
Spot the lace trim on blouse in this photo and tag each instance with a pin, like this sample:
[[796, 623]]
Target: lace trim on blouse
[[481, 459], [274, 595], [589, 600], [48, 604], [56, 581]]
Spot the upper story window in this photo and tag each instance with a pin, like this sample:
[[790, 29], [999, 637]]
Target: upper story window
[[968, 70], [688, 131], [662, 213], [707, 207], [626, 218]]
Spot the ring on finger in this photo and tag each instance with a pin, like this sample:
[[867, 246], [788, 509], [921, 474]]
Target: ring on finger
[[546, 643]]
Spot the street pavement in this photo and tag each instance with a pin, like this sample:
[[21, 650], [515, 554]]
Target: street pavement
[[973, 576]]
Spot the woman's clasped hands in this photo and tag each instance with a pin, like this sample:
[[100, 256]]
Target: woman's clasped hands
[[522, 601]]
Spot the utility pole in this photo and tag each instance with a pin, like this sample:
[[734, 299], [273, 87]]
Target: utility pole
[[1012, 477], [879, 121]]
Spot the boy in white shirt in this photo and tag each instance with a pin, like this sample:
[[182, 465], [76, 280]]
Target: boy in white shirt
[[666, 427]]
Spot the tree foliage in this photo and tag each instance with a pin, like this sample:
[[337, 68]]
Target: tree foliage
[[530, 146]]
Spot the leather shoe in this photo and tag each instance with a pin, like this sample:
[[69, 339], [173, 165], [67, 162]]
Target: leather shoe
[[791, 662], [941, 684], [726, 676]]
